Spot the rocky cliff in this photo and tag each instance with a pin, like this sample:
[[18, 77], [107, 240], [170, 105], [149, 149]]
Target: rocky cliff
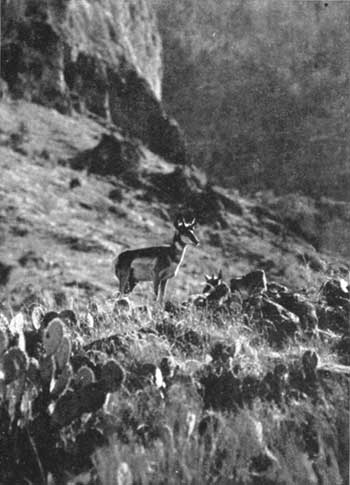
[[100, 56]]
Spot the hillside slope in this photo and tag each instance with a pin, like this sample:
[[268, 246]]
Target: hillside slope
[[62, 240], [247, 383]]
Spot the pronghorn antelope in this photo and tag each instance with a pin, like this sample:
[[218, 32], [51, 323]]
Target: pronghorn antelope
[[158, 263], [216, 290], [215, 293], [211, 282]]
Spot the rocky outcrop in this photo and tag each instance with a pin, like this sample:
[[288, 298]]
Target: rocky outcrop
[[188, 186], [112, 156], [101, 56]]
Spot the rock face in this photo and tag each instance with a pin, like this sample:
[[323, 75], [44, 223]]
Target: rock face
[[102, 56], [111, 156], [188, 187]]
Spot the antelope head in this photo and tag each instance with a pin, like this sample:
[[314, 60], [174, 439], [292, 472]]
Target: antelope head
[[186, 230], [213, 281]]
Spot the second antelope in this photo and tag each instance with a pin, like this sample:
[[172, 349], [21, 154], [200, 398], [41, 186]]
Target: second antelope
[[158, 263], [215, 293]]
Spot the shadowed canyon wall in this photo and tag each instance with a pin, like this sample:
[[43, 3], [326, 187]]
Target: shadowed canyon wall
[[262, 89]]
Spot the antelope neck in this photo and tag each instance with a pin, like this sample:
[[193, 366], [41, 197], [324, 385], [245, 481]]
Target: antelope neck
[[178, 244]]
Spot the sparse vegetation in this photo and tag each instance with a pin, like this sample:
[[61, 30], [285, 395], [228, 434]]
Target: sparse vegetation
[[242, 377], [203, 396], [215, 390]]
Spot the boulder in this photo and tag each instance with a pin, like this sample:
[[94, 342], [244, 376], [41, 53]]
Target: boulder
[[111, 156], [178, 185]]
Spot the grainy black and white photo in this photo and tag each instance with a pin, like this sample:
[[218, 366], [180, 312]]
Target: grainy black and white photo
[[174, 242]]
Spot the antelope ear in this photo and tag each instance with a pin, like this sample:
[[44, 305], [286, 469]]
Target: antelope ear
[[207, 278], [178, 222], [186, 224], [193, 222], [220, 274]]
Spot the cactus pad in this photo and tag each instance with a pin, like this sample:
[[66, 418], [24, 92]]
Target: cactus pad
[[4, 323], [69, 318], [122, 305], [112, 376], [72, 404], [63, 380], [47, 370], [37, 317], [15, 364], [47, 318], [53, 335], [4, 341], [67, 409], [91, 397], [33, 372], [17, 324], [84, 376], [63, 352]]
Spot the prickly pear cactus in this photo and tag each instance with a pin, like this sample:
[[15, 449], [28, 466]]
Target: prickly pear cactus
[[84, 376], [63, 381], [33, 372], [47, 371], [72, 404], [15, 364], [63, 353], [67, 409], [16, 328], [69, 318], [4, 341], [92, 397], [4, 323], [43, 387], [53, 335], [37, 317], [17, 324], [47, 318], [112, 376]]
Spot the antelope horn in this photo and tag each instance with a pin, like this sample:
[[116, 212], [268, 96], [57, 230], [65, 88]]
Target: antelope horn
[[178, 221]]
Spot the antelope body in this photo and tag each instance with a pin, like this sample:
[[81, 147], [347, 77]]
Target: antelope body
[[157, 264]]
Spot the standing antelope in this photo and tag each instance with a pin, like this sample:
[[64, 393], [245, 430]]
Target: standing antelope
[[157, 263]]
